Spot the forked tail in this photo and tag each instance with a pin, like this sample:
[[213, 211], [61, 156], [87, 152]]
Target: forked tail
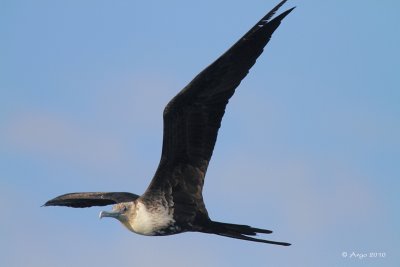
[[243, 232]]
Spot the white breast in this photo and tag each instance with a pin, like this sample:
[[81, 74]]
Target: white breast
[[148, 222]]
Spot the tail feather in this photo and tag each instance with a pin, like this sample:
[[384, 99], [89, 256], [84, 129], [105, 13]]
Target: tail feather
[[248, 238], [240, 228], [243, 232]]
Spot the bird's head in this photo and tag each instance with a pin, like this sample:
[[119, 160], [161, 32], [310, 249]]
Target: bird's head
[[124, 212]]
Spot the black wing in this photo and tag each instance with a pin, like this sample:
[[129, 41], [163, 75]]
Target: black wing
[[89, 199], [192, 118]]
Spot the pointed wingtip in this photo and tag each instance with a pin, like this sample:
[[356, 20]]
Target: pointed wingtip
[[285, 13], [291, 9], [281, 16], [48, 203], [271, 13]]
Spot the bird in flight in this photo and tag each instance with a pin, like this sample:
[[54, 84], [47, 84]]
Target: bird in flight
[[173, 202]]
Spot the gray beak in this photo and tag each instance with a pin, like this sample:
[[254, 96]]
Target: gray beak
[[113, 214]]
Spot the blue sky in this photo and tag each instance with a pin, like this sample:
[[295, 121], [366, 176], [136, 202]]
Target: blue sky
[[309, 146]]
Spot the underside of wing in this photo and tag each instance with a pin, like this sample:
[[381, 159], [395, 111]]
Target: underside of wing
[[89, 199], [192, 118]]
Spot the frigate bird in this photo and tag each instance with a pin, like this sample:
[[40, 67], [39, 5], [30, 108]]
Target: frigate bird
[[173, 202]]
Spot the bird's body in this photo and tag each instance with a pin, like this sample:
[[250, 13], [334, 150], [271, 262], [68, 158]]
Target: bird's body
[[154, 219], [173, 202]]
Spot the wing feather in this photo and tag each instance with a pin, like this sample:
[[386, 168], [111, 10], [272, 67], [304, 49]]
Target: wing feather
[[89, 199], [192, 118]]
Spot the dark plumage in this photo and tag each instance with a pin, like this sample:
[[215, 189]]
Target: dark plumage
[[173, 202], [89, 199]]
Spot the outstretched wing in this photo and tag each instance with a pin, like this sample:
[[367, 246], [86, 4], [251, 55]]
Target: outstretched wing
[[89, 199], [192, 118]]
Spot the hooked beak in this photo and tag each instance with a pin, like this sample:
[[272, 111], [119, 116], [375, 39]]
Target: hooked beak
[[113, 214]]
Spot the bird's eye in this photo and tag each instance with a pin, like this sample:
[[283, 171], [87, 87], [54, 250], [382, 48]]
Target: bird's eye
[[124, 208]]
